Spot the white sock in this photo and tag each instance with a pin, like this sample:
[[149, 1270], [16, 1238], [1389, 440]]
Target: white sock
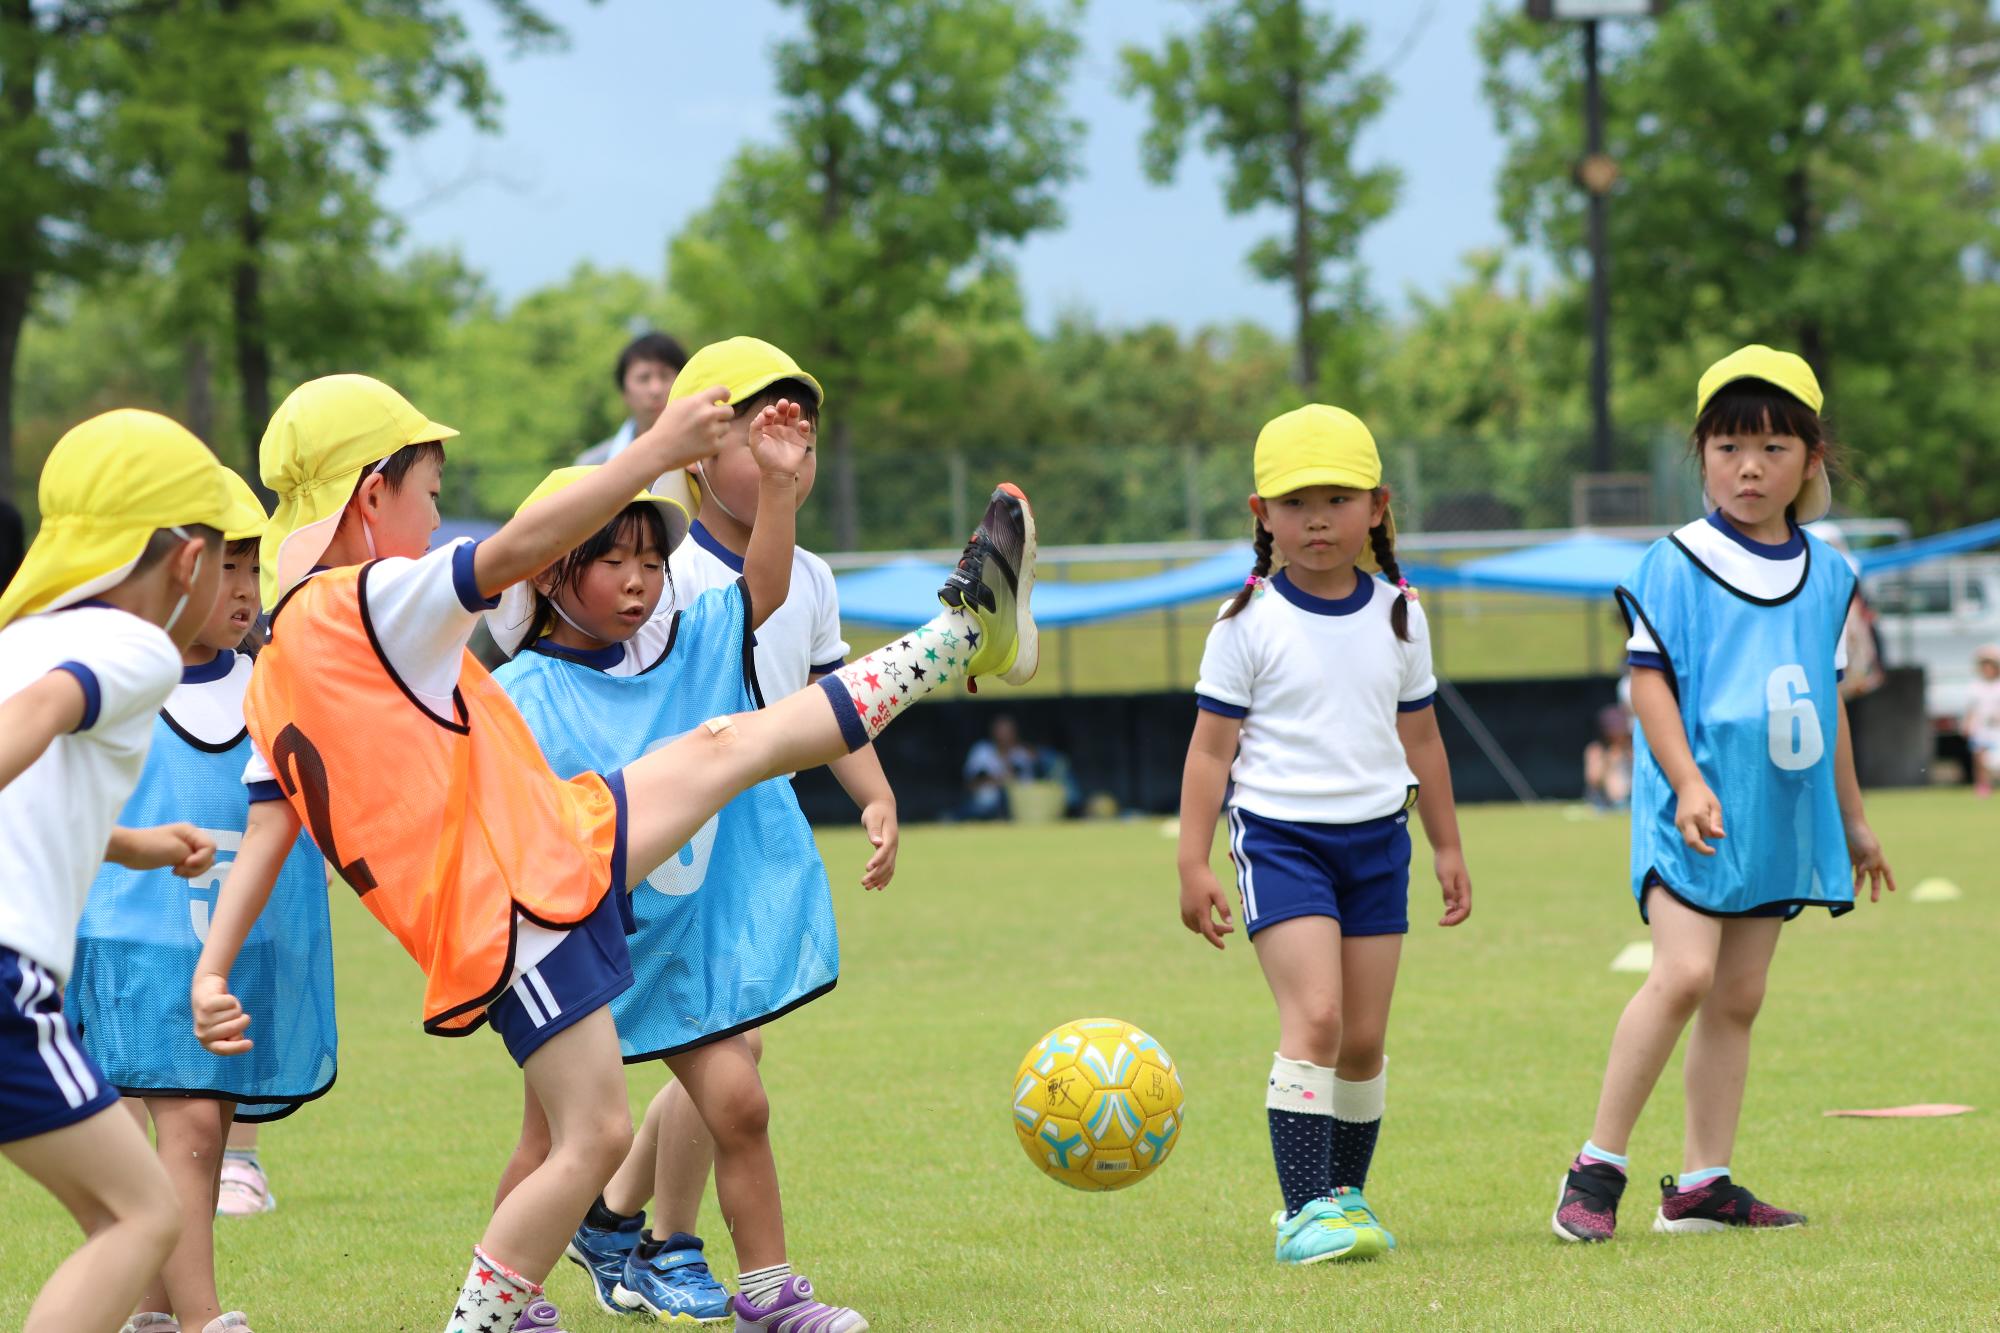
[[490, 1289], [759, 1285], [904, 670]]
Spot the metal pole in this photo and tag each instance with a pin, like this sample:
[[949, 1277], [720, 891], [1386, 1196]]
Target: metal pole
[[1600, 277]]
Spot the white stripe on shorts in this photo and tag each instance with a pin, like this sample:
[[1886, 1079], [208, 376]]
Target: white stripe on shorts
[[66, 1064], [528, 1000], [1246, 880], [549, 1005]]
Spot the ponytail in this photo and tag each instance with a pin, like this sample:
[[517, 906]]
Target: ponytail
[[1384, 547], [1257, 573]]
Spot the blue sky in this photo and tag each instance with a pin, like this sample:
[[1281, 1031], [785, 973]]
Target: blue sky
[[607, 147]]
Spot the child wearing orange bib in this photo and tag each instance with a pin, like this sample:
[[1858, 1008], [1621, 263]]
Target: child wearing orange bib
[[376, 730]]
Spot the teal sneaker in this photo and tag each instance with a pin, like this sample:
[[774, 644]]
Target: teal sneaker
[[1317, 1232], [1375, 1239]]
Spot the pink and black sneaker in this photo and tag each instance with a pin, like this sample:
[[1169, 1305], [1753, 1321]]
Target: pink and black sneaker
[[1587, 1206], [1717, 1205], [793, 1310]]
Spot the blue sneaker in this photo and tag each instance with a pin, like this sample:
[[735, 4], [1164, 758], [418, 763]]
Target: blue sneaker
[[602, 1254], [1317, 1232], [674, 1286], [1372, 1239]]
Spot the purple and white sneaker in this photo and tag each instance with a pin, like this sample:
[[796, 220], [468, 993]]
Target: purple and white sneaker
[[1717, 1205], [793, 1310], [540, 1317]]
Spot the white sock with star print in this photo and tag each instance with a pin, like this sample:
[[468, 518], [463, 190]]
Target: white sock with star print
[[872, 690], [491, 1299]]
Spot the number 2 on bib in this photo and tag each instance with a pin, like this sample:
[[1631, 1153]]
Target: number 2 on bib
[[1796, 741]]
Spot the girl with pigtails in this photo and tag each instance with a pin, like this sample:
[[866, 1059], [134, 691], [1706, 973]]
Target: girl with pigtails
[[1316, 735]]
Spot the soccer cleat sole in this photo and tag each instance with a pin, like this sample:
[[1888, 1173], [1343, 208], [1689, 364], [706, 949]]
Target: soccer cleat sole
[[1555, 1219], [1027, 639]]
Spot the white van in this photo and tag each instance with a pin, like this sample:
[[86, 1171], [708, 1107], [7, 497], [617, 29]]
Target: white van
[[1936, 616]]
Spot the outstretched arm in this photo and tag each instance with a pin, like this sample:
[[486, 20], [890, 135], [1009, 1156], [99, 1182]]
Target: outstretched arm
[[34, 717], [780, 439], [219, 1020], [541, 534]]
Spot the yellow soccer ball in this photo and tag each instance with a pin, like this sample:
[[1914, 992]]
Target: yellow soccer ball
[[1097, 1104]]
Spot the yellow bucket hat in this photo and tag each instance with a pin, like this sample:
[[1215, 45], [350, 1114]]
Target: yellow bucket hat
[[107, 487], [1318, 445], [1782, 370], [322, 438], [743, 366], [246, 518], [508, 622]]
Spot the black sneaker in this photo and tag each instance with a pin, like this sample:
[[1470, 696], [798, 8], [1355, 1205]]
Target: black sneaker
[[1587, 1206], [1717, 1205], [993, 581]]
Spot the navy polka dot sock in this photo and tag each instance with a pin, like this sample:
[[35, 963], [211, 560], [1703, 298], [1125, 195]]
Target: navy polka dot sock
[[1357, 1120], [1299, 1106]]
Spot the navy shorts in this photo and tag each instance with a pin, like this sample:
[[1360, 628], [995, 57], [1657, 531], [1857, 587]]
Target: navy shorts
[[1358, 874], [579, 977], [47, 1081]]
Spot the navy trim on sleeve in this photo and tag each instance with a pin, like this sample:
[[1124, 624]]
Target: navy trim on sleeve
[[93, 695], [828, 668], [465, 583], [852, 733], [706, 541], [1657, 661], [265, 791], [1840, 675], [1416, 705], [1209, 704]]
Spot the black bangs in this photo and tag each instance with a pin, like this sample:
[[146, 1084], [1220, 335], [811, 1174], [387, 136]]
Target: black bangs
[[798, 391], [1754, 407], [635, 523], [242, 547]]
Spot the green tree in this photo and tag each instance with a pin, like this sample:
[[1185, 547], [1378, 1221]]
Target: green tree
[[1280, 93], [1818, 176], [231, 148], [919, 135]]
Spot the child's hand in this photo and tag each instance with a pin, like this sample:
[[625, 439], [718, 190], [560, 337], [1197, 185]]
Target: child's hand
[[690, 429], [1870, 866], [1453, 878], [1204, 906], [1697, 814], [780, 439], [879, 819], [183, 848], [218, 1019]]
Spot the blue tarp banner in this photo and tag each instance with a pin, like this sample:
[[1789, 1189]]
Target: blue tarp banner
[[904, 592]]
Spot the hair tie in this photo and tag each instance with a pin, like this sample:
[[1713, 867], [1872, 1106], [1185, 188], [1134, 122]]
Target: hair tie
[[1408, 592], [1252, 581]]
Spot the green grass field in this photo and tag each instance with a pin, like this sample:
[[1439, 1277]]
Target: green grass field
[[907, 1195]]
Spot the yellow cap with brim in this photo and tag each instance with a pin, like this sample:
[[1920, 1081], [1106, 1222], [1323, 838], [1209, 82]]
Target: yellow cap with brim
[[743, 366], [508, 622], [246, 518], [107, 487], [1788, 372], [1318, 445], [321, 440]]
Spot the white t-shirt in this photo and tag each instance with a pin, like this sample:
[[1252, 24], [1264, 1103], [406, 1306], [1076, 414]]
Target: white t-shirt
[[56, 818], [1318, 684], [801, 639], [207, 706], [1755, 568]]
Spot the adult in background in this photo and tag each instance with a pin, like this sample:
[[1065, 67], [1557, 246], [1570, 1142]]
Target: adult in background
[[991, 764], [644, 375]]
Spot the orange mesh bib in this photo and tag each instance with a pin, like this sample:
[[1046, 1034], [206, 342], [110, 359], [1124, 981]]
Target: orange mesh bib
[[444, 826]]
